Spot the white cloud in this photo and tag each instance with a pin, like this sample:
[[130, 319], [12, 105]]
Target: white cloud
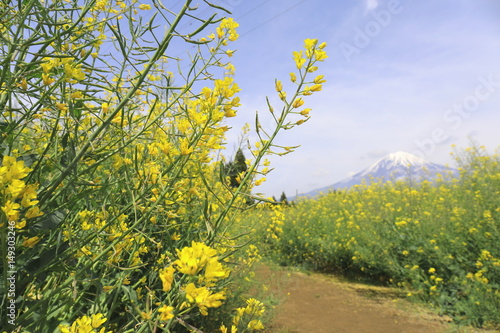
[[377, 153], [370, 5], [321, 172]]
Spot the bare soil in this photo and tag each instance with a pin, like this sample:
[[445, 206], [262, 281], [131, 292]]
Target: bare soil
[[325, 304]]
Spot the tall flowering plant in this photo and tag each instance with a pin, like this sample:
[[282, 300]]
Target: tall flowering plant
[[115, 210]]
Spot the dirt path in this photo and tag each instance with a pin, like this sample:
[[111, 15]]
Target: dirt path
[[324, 304]]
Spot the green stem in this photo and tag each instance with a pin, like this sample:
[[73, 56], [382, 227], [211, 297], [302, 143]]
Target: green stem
[[105, 124]]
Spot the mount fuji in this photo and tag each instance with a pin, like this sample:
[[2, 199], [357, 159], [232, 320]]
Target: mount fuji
[[393, 167]]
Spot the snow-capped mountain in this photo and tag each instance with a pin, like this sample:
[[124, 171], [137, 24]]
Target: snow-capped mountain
[[394, 167]]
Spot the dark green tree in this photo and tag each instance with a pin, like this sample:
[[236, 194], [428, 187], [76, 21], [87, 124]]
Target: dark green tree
[[236, 169], [284, 200]]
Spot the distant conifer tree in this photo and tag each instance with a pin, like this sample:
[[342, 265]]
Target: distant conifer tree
[[283, 199], [236, 169]]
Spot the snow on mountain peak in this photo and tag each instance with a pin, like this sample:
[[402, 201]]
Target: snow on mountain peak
[[399, 159], [404, 158]]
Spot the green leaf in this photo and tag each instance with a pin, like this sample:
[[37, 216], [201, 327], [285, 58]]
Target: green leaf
[[49, 221], [29, 159], [75, 109], [4, 126], [64, 140]]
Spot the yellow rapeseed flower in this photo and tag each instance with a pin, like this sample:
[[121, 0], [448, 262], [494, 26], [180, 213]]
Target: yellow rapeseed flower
[[309, 44], [84, 324], [203, 298], [320, 55], [260, 181], [166, 312], [255, 324], [298, 103], [279, 86], [30, 242], [298, 57], [167, 277], [305, 112], [11, 210], [316, 87], [97, 320], [72, 71], [319, 79], [192, 259], [185, 149], [47, 80]]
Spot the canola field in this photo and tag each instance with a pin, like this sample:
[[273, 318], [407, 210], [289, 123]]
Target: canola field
[[120, 213], [438, 241]]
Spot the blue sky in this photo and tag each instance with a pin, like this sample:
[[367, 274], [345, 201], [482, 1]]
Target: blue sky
[[415, 76]]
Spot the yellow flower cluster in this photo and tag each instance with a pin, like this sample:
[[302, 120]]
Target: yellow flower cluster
[[227, 28], [252, 255], [203, 297], [305, 61], [16, 194], [313, 52], [200, 261], [72, 71], [85, 324], [274, 230], [247, 318]]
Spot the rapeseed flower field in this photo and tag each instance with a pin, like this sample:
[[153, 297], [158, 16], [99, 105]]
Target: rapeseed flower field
[[438, 241], [117, 209]]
